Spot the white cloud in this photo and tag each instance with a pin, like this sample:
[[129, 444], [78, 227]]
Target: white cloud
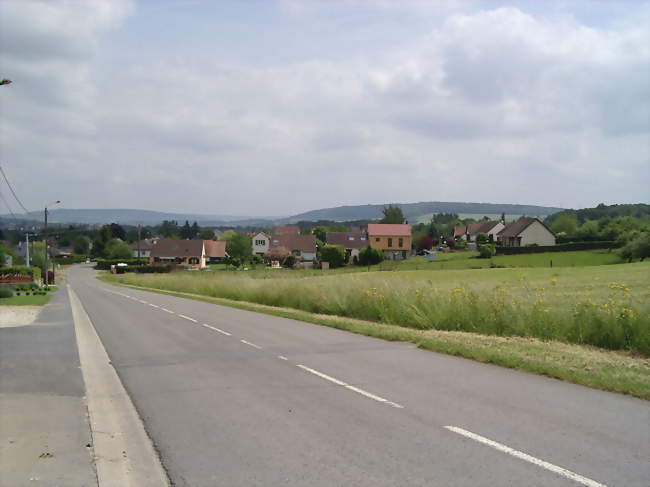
[[495, 105]]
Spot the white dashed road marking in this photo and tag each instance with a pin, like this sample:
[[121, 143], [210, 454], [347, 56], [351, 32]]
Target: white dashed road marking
[[350, 387], [282, 357], [188, 318], [167, 310], [154, 305], [249, 343], [217, 329], [527, 458]]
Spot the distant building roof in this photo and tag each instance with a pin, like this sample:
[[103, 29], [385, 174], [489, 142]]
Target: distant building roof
[[347, 240], [287, 230], [304, 243], [475, 228], [389, 229], [215, 248], [515, 228], [144, 244], [167, 247]]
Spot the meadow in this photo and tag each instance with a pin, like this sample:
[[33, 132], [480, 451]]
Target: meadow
[[606, 306]]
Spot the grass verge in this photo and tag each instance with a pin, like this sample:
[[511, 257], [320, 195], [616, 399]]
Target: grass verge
[[38, 300], [614, 371]]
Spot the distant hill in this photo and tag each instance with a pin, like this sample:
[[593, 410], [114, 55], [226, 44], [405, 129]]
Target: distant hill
[[638, 210], [412, 211]]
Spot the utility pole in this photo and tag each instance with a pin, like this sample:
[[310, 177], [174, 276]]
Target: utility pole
[[45, 236], [139, 229], [27, 249]]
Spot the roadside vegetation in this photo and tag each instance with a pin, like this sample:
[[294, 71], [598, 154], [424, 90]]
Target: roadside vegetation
[[603, 306]]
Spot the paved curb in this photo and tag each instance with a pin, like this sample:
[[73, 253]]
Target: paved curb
[[124, 453]]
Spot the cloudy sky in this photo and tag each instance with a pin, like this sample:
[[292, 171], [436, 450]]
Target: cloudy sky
[[276, 107]]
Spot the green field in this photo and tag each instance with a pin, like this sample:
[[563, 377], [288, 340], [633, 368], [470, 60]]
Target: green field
[[606, 306]]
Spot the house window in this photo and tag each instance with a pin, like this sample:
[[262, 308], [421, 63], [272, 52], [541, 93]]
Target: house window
[[390, 242], [401, 242], [194, 260], [260, 242], [350, 237], [377, 239]]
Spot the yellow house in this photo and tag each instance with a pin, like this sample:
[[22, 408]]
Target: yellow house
[[392, 238]]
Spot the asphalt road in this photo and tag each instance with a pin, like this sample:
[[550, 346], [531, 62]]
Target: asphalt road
[[236, 398]]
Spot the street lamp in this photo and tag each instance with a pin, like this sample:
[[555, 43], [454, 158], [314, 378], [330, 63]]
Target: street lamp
[[45, 233]]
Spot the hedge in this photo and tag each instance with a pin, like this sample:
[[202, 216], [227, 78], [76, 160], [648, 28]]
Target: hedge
[[565, 247], [70, 259], [19, 270], [105, 264]]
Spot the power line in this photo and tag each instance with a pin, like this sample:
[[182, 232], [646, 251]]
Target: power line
[[12, 190], [8, 207]]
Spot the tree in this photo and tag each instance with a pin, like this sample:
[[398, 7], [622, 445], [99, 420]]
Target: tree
[[588, 231], [370, 256], [81, 245], [277, 253], [117, 231], [425, 242], [320, 233], [195, 230], [482, 238], [392, 214], [637, 248], [227, 235], [206, 234], [116, 249], [566, 223], [334, 254], [186, 231], [99, 245], [486, 251], [240, 247], [169, 229]]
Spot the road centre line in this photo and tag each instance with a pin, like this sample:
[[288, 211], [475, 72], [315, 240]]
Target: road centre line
[[350, 387], [188, 318], [167, 310], [282, 357], [143, 302], [217, 329], [154, 305], [527, 458], [251, 344]]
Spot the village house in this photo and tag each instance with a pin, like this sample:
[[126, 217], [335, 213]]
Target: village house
[[301, 246], [471, 231], [526, 231], [261, 243], [142, 248], [196, 254], [393, 239], [352, 242]]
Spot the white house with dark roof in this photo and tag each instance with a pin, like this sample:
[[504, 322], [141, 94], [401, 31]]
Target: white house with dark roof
[[261, 243], [526, 231]]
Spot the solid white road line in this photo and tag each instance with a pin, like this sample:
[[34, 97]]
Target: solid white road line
[[143, 302], [350, 387], [217, 329], [527, 458], [249, 343], [167, 310], [282, 357], [188, 318], [154, 305]]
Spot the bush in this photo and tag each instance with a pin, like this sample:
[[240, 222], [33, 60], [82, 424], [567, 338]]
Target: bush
[[334, 254], [557, 248], [70, 259], [637, 248], [486, 251], [290, 261], [152, 269], [482, 238], [370, 256], [6, 292]]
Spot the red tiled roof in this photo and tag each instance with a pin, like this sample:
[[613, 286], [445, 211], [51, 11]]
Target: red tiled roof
[[287, 230], [389, 229], [347, 240], [215, 248], [304, 243]]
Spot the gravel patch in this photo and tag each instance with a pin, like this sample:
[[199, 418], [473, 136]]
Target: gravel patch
[[18, 315]]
